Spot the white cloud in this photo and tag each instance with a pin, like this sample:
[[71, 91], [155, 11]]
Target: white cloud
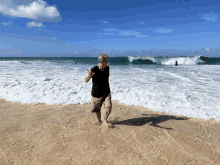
[[53, 38], [106, 33], [141, 23], [38, 9], [7, 23], [131, 33], [34, 24], [163, 30], [103, 21], [210, 17], [110, 29], [207, 49]]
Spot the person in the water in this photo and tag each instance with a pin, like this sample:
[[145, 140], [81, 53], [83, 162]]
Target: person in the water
[[176, 64], [159, 63], [206, 63]]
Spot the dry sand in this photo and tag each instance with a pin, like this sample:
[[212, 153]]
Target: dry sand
[[62, 135]]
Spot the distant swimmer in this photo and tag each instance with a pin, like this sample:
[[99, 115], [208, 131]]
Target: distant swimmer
[[206, 63], [176, 64], [159, 63]]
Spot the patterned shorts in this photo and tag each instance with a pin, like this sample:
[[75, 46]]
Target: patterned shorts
[[97, 103]]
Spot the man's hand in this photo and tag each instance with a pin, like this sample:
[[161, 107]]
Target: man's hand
[[90, 73]]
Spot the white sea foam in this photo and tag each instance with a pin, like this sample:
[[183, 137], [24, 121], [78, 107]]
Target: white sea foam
[[189, 90], [182, 61], [169, 61]]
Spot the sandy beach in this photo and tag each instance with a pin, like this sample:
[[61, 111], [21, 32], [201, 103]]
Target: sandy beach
[[66, 134]]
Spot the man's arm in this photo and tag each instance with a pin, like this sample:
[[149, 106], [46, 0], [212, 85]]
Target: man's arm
[[90, 74]]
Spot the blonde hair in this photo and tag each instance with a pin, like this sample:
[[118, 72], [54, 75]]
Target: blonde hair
[[103, 58]]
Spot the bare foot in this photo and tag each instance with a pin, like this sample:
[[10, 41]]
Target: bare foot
[[108, 125], [94, 119], [98, 123]]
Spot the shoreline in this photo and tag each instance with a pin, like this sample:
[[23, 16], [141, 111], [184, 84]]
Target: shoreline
[[122, 104], [66, 134]]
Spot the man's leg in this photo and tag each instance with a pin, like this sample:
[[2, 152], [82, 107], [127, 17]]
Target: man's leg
[[96, 114], [108, 109], [107, 113]]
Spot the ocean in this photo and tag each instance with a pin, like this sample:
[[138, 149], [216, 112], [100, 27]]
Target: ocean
[[190, 89]]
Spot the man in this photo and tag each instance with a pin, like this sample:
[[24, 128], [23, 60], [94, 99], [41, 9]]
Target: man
[[101, 89], [176, 64]]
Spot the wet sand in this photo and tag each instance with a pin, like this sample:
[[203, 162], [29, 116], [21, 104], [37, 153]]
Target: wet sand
[[66, 134]]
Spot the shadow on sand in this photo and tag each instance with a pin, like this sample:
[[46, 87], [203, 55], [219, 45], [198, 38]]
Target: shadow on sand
[[144, 120]]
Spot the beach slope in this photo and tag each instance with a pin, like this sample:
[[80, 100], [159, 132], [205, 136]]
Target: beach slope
[[66, 134]]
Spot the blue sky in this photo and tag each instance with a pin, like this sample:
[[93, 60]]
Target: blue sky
[[34, 27]]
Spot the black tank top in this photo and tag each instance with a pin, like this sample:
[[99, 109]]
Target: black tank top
[[100, 85]]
